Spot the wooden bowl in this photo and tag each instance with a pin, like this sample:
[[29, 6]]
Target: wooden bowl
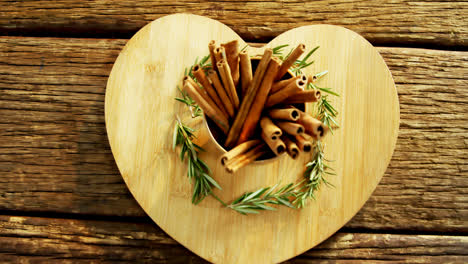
[[218, 137]]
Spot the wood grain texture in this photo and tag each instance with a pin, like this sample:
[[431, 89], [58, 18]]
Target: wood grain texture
[[54, 155], [382, 22], [46, 240], [140, 111]]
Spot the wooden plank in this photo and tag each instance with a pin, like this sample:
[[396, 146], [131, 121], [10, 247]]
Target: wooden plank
[[396, 22], [54, 155], [47, 240]]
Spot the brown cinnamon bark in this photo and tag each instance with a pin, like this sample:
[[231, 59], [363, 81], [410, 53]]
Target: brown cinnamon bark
[[269, 128], [211, 48], [290, 60], [255, 112], [276, 145], [245, 71], [200, 74], [312, 126], [213, 76], [226, 77], [220, 54], [210, 110], [291, 128], [238, 150], [290, 114], [301, 97], [284, 93], [232, 57], [303, 144], [246, 158], [283, 83], [248, 99], [201, 91], [291, 147]]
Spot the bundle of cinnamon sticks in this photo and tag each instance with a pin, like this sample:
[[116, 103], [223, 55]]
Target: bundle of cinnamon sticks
[[257, 110]]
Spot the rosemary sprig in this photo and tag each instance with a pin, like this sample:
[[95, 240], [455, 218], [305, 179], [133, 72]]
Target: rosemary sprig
[[253, 202], [197, 170], [278, 51], [195, 110], [314, 177], [327, 113], [303, 63]]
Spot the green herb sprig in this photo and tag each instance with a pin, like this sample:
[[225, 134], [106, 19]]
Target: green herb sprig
[[195, 109], [253, 202], [299, 65], [314, 175], [197, 170]]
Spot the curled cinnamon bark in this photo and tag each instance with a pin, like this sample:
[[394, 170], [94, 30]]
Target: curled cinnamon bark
[[209, 109], [312, 126], [213, 76], [245, 71], [290, 114], [248, 99], [284, 93], [290, 60], [255, 112], [291, 147], [246, 158], [269, 128], [238, 150], [301, 97], [276, 145]]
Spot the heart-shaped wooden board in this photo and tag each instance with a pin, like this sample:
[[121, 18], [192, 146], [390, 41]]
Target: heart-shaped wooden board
[[140, 112]]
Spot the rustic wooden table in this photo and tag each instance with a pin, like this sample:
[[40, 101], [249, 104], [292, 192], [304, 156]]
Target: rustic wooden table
[[62, 199]]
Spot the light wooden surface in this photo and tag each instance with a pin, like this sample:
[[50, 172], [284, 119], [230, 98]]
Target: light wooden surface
[[139, 118]]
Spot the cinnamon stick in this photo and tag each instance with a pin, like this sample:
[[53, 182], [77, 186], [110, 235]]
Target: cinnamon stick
[[291, 147], [201, 92], [226, 77], [255, 112], [238, 150], [276, 145], [213, 76], [290, 60], [301, 97], [209, 109], [269, 128], [290, 114], [246, 158], [303, 144], [283, 83], [312, 126], [248, 99], [211, 48], [291, 128], [284, 93], [232, 57], [220, 54], [245, 71], [200, 74]]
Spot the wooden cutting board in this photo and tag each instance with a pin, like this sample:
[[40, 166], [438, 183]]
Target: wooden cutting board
[[140, 111]]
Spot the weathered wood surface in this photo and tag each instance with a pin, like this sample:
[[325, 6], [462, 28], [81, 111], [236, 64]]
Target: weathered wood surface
[[54, 155], [382, 22], [47, 240]]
